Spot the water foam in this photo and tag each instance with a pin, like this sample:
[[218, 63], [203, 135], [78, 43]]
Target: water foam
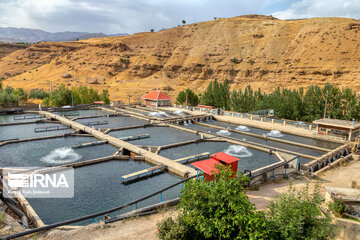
[[223, 132], [238, 151], [274, 133], [61, 156], [179, 112], [158, 114], [242, 128]]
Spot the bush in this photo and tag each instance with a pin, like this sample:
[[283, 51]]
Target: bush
[[338, 207], [216, 210], [38, 94], [297, 215]]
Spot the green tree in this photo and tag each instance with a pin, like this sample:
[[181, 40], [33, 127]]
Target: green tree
[[187, 97], [218, 209], [297, 215], [183, 22]]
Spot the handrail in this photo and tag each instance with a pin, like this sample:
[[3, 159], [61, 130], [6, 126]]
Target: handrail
[[67, 222]]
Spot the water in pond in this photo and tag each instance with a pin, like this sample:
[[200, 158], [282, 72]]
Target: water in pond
[[278, 134], [10, 118], [98, 188], [84, 113], [113, 122], [27, 131], [249, 158], [158, 135], [51, 151], [243, 137]]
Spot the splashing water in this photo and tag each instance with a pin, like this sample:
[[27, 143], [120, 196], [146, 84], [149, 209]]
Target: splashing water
[[179, 112], [223, 132], [274, 133], [242, 128], [61, 156], [238, 151], [158, 114]]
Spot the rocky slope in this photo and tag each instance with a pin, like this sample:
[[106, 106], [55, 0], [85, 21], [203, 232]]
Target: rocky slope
[[257, 50], [7, 48]]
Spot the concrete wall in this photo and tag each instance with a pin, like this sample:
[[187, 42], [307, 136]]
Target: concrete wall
[[349, 230]]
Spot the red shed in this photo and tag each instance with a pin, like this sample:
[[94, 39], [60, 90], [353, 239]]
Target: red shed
[[208, 166]]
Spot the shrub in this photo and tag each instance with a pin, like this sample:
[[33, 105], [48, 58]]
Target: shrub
[[297, 215], [38, 94], [338, 207], [218, 209]]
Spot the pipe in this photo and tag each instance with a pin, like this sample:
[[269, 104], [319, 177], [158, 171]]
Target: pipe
[[13, 206]]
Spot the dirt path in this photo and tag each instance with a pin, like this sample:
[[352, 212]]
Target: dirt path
[[145, 227]]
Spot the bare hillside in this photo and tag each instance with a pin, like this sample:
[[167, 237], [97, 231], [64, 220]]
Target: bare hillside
[[257, 50]]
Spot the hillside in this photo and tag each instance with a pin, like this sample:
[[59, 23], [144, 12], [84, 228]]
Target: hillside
[[7, 48], [268, 53]]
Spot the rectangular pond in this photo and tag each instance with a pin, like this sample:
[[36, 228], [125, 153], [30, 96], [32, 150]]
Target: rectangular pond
[[278, 134], [243, 137], [98, 187], [51, 152], [250, 159], [158, 135]]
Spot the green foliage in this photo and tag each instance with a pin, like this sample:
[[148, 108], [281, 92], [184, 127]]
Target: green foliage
[[1, 84], [187, 97], [124, 60], [10, 96], [81, 95], [235, 60], [297, 215], [216, 210], [217, 95], [296, 104], [38, 94], [338, 207]]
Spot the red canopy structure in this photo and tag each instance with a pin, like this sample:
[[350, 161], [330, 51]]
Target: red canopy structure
[[209, 168], [157, 98]]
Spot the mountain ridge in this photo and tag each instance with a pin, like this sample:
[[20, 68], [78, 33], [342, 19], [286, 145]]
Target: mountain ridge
[[30, 35], [260, 51]]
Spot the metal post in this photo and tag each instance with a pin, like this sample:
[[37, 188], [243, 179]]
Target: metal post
[[161, 197], [297, 163]]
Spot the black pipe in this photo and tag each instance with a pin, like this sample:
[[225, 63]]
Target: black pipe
[[13, 206], [67, 222]]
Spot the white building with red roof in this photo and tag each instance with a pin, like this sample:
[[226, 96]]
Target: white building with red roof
[[157, 98]]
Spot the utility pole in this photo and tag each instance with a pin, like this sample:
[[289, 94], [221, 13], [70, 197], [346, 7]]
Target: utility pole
[[129, 95], [72, 99], [326, 99], [51, 91]]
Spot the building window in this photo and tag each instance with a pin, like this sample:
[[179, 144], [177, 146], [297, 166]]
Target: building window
[[322, 129]]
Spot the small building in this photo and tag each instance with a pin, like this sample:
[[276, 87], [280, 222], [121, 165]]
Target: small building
[[208, 166], [348, 130], [157, 98]]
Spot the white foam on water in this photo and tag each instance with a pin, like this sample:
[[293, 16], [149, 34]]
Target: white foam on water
[[223, 132], [238, 151], [61, 156], [242, 128], [274, 133], [178, 112], [158, 114]]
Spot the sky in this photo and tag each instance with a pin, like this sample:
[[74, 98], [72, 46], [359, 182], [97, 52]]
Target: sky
[[130, 16]]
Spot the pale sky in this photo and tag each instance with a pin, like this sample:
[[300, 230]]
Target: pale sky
[[130, 16]]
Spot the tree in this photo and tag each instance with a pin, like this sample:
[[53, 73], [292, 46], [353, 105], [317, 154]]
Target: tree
[[297, 215], [187, 97], [152, 30], [183, 22], [218, 209]]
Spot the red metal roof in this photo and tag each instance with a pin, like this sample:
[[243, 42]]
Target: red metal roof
[[221, 156], [156, 95], [99, 102], [207, 166]]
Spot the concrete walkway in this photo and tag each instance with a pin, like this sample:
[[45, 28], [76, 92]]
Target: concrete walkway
[[153, 158]]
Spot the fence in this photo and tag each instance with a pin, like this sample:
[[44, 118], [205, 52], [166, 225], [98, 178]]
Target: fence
[[253, 117]]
